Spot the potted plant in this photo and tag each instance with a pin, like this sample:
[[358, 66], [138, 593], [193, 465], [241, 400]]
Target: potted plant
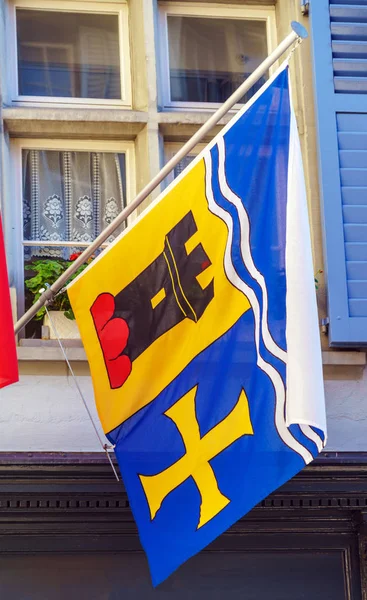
[[47, 271]]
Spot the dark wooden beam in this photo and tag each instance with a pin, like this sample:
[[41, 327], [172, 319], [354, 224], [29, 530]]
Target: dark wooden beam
[[77, 485]]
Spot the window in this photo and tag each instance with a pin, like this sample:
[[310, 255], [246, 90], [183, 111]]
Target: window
[[71, 52], [171, 148], [208, 51], [69, 194]]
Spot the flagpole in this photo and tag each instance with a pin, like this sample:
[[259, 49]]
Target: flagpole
[[298, 33]]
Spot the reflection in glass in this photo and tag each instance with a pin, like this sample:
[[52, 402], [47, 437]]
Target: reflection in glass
[[68, 55], [209, 58]]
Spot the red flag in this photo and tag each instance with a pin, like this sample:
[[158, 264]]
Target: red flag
[[8, 353]]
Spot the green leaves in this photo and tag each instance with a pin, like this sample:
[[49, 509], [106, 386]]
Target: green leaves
[[316, 280], [47, 271]]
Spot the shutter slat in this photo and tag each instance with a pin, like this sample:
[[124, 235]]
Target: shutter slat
[[353, 195], [356, 271], [344, 67], [355, 233], [348, 85], [349, 122], [355, 251], [352, 140], [355, 214], [353, 159], [354, 177], [348, 2], [349, 49], [357, 289], [349, 31], [357, 308], [349, 13]]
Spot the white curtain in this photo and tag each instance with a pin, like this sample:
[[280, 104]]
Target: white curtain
[[69, 196], [183, 164]]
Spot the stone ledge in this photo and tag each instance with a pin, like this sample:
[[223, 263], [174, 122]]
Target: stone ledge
[[48, 350], [344, 358], [78, 123], [50, 353], [181, 116], [181, 125], [95, 115]]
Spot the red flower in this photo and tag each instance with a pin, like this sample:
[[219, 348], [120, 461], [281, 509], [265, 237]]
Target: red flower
[[75, 255]]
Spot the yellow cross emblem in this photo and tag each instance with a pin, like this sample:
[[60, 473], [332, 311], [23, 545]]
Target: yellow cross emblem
[[199, 451]]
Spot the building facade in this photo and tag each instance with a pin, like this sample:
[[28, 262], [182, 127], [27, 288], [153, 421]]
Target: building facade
[[96, 97]]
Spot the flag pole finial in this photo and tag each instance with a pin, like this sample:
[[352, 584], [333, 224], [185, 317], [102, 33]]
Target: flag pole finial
[[299, 30]]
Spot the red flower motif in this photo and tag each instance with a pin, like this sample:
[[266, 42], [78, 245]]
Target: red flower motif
[[113, 334]]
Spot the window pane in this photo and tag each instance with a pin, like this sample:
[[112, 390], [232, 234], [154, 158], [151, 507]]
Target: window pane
[[209, 58], [70, 197], [184, 162], [69, 55]]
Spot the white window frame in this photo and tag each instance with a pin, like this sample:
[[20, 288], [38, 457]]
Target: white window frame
[[120, 9], [209, 11], [17, 146]]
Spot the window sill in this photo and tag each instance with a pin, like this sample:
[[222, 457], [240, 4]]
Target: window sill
[[182, 124], [344, 358], [343, 365], [48, 350], [69, 122]]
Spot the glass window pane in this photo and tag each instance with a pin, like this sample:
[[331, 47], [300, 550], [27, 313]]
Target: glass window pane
[[68, 55], [184, 162], [70, 197], [209, 58]]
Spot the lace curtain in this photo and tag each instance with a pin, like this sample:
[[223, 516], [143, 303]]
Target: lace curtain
[[70, 196], [183, 164]]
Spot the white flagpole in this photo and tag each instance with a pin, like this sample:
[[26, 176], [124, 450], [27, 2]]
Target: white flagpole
[[298, 33]]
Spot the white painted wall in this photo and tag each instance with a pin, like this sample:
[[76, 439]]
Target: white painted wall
[[346, 408], [45, 413]]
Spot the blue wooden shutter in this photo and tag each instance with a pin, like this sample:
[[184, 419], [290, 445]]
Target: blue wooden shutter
[[339, 37]]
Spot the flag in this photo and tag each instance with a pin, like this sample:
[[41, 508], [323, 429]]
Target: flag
[[200, 326], [8, 354]]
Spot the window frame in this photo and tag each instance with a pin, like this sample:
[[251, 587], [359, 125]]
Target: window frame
[[120, 9], [210, 11], [20, 144]]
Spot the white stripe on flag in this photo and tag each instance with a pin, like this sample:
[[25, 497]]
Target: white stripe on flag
[[233, 277], [305, 388]]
